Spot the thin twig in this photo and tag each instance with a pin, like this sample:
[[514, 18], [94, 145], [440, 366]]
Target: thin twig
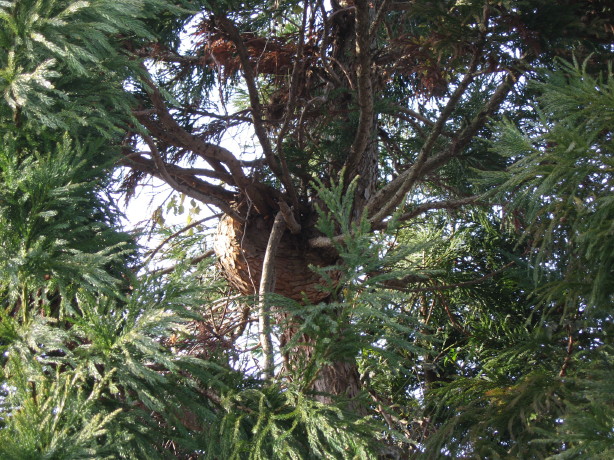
[[193, 261], [179, 232]]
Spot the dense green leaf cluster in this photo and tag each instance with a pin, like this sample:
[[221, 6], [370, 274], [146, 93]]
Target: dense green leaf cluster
[[536, 394], [482, 330]]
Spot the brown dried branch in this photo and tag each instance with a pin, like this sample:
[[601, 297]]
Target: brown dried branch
[[137, 161], [169, 131], [175, 135], [451, 316]]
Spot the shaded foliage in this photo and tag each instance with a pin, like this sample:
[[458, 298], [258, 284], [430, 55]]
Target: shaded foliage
[[452, 158]]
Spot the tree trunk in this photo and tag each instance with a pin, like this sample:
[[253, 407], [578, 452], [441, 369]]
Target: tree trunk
[[240, 248]]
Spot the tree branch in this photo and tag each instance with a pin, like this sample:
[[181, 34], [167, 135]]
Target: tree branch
[[467, 134], [175, 135], [193, 261], [177, 233], [191, 186], [298, 70], [291, 223], [379, 16], [393, 284], [267, 282], [136, 160], [364, 131], [389, 197], [282, 171], [326, 242], [424, 207]]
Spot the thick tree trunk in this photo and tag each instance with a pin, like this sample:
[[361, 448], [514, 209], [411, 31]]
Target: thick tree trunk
[[240, 248]]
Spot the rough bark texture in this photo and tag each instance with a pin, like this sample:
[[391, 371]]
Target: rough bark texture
[[341, 379], [240, 248]]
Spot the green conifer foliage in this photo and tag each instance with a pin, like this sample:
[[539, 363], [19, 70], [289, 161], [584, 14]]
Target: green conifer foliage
[[537, 398], [443, 167]]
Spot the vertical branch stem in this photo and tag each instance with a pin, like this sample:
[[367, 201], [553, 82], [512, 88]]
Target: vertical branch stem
[[567, 360], [364, 131], [267, 281]]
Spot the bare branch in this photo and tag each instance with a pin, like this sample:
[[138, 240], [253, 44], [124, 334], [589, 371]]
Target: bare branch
[[137, 161], [569, 352], [416, 115], [325, 42], [267, 281]]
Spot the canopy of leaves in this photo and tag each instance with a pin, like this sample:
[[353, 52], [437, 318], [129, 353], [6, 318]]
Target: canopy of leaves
[[453, 158]]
